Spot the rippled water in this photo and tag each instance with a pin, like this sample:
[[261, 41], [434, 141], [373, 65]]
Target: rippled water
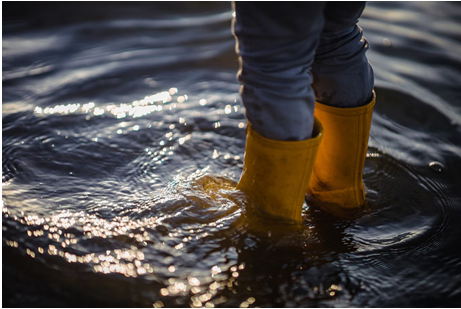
[[123, 138]]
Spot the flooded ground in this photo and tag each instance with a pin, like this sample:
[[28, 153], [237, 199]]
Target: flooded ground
[[123, 137]]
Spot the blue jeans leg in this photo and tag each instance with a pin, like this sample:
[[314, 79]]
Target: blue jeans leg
[[276, 52], [277, 43], [342, 75]]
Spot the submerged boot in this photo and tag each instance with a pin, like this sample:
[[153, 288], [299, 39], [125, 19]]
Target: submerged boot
[[336, 183], [276, 173]]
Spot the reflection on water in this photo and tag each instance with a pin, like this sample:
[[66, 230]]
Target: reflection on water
[[123, 139]]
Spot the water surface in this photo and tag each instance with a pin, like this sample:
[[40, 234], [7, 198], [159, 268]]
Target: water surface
[[123, 138]]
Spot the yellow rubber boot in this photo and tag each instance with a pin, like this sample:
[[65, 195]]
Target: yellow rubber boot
[[336, 183], [276, 173]]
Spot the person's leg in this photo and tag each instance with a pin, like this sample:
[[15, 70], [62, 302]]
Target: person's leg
[[343, 84], [276, 42], [342, 75]]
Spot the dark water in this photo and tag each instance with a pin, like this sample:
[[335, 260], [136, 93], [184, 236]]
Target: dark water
[[123, 137]]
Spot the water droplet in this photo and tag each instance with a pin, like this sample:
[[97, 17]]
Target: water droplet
[[436, 166]]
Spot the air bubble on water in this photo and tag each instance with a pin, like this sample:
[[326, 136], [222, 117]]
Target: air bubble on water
[[436, 166], [386, 42]]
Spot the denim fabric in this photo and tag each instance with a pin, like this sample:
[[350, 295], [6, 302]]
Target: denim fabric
[[292, 53]]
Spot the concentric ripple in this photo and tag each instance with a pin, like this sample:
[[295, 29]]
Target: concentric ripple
[[123, 140]]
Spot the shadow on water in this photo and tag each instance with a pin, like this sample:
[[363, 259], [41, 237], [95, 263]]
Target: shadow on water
[[121, 149]]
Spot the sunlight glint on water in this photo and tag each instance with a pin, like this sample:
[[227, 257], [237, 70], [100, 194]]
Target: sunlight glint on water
[[123, 140]]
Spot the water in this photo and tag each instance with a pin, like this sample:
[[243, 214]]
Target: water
[[123, 137]]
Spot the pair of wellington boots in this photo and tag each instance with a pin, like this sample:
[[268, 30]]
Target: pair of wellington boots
[[328, 166]]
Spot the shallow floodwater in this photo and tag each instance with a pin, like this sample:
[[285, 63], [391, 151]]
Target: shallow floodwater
[[123, 138]]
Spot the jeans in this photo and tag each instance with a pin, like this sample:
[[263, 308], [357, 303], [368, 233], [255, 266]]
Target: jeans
[[294, 53]]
